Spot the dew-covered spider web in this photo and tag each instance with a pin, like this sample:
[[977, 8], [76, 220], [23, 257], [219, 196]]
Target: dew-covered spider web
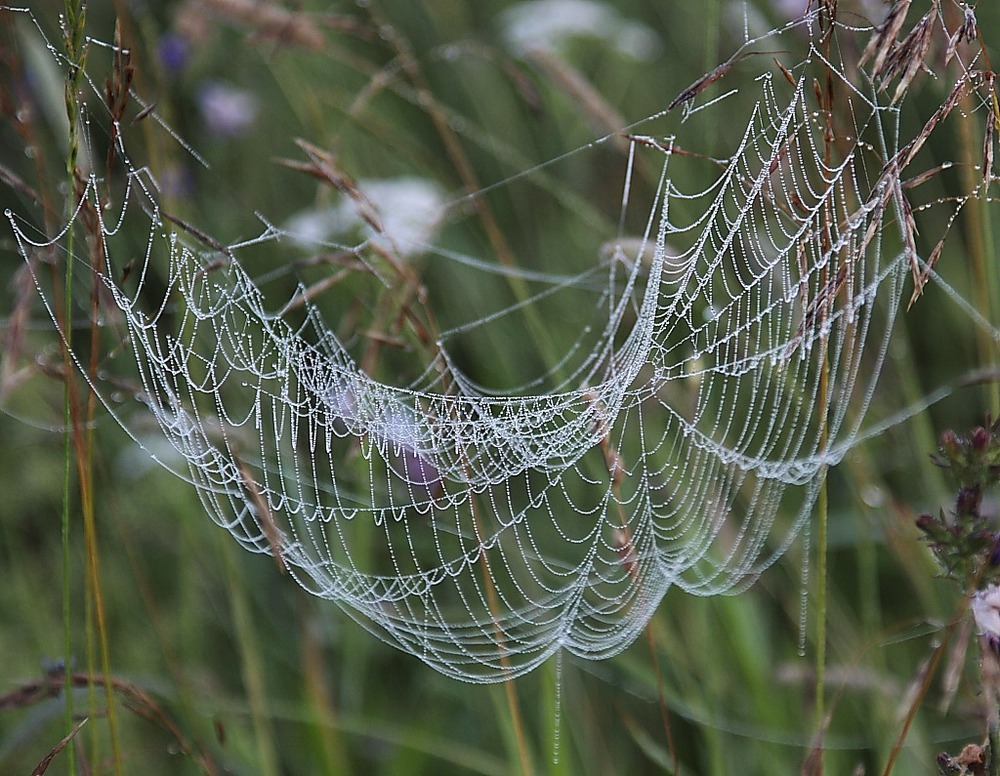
[[725, 357]]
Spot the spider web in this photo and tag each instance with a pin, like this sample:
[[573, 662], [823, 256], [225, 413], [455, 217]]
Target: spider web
[[680, 442]]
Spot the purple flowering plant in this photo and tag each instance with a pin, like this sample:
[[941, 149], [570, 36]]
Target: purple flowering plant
[[966, 540]]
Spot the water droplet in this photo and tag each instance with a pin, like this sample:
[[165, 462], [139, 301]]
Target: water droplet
[[873, 496], [557, 721], [804, 592]]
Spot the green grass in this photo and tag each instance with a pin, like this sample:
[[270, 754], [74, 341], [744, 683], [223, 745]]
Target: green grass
[[251, 673]]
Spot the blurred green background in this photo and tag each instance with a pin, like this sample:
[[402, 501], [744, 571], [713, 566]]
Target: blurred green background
[[265, 679]]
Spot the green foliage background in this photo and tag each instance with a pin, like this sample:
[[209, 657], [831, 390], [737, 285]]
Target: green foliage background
[[268, 680]]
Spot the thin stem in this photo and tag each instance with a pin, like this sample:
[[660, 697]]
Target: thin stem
[[510, 691], [626, 550], [76, 11], [821, 574], [925, 684], [251, 665], [664, 711], [826, 98], [95, 597]]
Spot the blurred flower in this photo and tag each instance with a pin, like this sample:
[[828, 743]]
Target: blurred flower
[[408, 210], [393, 426], [173, 52], [629, 250], [550, 24], [986, 613], [340, 403], [226, 110], [176, 181], [408, 455], [418, 470]]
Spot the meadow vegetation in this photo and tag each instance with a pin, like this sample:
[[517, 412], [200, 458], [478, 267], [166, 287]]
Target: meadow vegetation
[[186, 655]]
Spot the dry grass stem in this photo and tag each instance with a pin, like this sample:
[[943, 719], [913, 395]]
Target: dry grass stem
[[907, 58], [703, 83], [135, 698], [46, 761], [966, 32], [881, 45], [262, 514]]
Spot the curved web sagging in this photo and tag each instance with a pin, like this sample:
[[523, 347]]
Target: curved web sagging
[[483, 533]]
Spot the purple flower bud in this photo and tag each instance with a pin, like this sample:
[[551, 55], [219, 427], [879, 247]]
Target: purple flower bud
[[341, 405], [950, 444], [935, 529], [980, 439]]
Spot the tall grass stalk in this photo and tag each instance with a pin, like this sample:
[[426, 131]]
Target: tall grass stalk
[[251, 663], [508, 713], [76, 12], [95, 596], [463, 167], [78, 430], [826, 106], [329, 742], [553, 704], [514, 725]]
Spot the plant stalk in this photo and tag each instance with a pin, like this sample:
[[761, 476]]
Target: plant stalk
[[75, 20]]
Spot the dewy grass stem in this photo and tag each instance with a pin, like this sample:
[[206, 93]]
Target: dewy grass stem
[[826, 99], [75, 19]]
